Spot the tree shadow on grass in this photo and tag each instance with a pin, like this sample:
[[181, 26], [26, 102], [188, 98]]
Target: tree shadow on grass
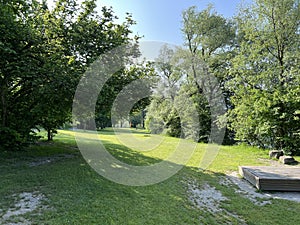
[[77, 193], [111, 131], [128, 155]]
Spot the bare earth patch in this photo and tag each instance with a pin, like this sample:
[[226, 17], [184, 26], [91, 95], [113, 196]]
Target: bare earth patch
[[25, 202], [208, 198], [46, 160]]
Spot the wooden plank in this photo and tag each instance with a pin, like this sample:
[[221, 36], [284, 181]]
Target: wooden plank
[[272, 178]]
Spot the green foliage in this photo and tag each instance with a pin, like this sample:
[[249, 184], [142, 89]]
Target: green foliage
[[114, 86], [19, 69], [195, 74], [43, 54], [11, 139], [206, 32], [254, 63], [265, 76], [162, 115]]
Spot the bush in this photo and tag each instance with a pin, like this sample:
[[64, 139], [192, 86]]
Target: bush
[[12, 140]]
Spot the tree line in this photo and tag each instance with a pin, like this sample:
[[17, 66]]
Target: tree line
[[255, 60], [252, 60]]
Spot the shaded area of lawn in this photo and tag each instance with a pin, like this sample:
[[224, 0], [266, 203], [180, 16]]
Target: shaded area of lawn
[[78, 195]]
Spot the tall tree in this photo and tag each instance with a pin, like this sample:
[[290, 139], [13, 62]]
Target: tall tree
[[19, 71], [79, 35], [265, 75], [43, 54], [209, 39], [195, 73], [162, 115], [172, 110]]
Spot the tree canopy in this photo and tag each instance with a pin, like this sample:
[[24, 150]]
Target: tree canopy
[[264, 76], [255, 58], [247, 66], [43, 55]]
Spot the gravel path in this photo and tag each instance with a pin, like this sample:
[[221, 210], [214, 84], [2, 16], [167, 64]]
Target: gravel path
[[25, 202]]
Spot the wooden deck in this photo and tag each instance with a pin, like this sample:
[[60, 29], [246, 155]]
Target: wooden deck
[[269, 178]]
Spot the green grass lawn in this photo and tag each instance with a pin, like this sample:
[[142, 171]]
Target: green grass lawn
[[76, 194]]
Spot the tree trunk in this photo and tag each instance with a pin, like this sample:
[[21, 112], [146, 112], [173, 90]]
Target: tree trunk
[[4, 106], [143, 119], [50, 137]]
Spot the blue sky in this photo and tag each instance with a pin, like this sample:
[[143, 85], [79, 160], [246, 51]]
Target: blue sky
[[160, 20]]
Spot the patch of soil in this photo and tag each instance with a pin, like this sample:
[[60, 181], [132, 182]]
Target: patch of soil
[[45, 160], [25, 202], [208, 198]]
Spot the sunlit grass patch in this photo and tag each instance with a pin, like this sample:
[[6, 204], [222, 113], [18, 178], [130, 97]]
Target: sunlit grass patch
[[76, 194]]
